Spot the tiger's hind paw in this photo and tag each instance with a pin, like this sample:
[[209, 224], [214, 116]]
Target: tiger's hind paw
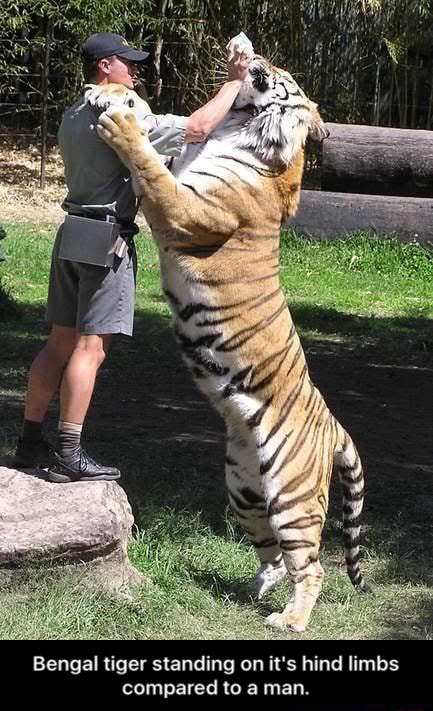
[[266, 579], [284, 621]]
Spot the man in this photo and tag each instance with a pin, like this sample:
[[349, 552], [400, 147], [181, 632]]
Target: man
[[88, 304]]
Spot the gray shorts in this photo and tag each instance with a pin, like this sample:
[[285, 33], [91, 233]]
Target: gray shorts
[[94, 300]]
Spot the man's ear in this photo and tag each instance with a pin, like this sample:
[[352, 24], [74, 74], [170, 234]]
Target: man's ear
[[104, 66]]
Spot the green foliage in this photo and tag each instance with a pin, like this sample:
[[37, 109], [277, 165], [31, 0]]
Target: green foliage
[[395, 49], [368, 61], [364, 253], [26, 27]]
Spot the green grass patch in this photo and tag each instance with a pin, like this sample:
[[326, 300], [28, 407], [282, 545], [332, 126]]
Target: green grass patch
[[194, 590], [362, 290]]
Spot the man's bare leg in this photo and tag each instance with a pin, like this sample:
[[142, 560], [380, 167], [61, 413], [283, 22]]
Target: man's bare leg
[[44, 378], [78, 382], [72, 359], [46, 371]]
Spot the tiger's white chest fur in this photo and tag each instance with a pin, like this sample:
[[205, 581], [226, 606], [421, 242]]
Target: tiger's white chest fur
[[221, 152]]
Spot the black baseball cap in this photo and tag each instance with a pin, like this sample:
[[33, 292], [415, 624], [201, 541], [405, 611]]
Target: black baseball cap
[[107, 44]]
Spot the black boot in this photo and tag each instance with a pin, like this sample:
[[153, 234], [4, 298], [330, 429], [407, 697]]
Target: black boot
[[79, 467], [33, 453]]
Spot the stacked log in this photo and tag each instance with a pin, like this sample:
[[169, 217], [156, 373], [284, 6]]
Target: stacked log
[[373, 179], [326, 214]]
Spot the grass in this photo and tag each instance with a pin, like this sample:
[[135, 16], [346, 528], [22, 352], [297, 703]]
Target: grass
[[354, 302], [379, 289], [363, 276]]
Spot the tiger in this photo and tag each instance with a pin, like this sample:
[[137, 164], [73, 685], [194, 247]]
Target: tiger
[[216, 216]]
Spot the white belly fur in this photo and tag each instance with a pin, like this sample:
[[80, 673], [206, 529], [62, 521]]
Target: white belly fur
[[239, 406], [219, 156]]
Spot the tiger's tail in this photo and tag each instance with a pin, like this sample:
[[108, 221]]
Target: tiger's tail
[[348, 465]]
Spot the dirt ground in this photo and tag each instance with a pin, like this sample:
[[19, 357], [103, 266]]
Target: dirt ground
[[384, 399], [21, 197]]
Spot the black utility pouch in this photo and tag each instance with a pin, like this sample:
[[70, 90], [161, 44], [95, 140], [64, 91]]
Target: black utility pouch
[[89, 241]]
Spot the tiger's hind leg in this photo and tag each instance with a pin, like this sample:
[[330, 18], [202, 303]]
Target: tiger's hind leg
[[307, 587], [297, 510], [299, 528], [268, 575], [298, 523], [249, 507]]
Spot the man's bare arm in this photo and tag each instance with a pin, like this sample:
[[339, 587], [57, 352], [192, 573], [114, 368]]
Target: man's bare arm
[[200, 124]]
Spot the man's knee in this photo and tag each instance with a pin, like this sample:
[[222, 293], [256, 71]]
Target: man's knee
[[94, 347]]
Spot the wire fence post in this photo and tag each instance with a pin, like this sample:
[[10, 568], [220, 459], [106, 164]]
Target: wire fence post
[[44, 102]]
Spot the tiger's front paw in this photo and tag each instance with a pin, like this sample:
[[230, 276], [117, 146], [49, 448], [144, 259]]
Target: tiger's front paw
[[112, 128], [100, 97], [122, 132]]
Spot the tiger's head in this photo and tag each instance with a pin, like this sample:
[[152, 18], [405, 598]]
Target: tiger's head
[[282, 116]]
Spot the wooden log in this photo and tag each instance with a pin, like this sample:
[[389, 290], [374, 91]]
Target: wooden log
[[330, 215], [378, 161]]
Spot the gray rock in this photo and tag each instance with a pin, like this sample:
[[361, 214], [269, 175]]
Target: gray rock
[[84, 525]]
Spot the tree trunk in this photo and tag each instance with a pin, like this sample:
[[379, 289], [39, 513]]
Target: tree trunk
[[45, 69], [430, 105], [156, 57], [414, 91], [376, 96]]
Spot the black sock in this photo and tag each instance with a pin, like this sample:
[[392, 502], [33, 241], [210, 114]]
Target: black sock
[[32, 431]]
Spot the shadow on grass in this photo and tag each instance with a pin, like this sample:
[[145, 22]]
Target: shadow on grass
[[9, 308], [402, 336], [149, 419]]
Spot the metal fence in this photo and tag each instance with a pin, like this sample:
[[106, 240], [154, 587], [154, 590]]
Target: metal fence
[[29, 106], [29, 112]]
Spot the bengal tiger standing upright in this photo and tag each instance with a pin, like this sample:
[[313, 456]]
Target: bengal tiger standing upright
[[216, 218]]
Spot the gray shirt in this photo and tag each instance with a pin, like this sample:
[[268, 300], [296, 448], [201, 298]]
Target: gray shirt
[[98, 183]]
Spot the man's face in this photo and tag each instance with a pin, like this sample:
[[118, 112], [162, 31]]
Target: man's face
[[122, 71]]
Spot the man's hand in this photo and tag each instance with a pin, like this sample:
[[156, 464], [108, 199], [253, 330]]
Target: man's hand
[[240, 54], [202, 122]]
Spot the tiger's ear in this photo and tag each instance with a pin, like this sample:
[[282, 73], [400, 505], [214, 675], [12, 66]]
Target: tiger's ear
[[316, 127]]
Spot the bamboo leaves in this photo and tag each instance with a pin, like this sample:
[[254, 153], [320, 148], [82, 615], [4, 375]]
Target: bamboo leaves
[[362, 60]]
